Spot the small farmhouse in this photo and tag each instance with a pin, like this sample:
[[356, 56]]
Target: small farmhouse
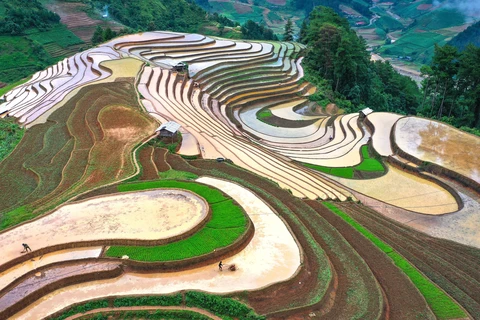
[[168, 129], [365, 112]]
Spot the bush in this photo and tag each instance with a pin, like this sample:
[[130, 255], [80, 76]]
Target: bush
[[169, 300], [220, 306]]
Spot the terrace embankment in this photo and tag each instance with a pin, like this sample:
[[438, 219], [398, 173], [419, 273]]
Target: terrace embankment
[[307, 291], [272, 240], [126, 218], [451, 266], [86, 143]]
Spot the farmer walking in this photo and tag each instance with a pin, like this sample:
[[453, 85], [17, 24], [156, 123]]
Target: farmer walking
[[220, 266]]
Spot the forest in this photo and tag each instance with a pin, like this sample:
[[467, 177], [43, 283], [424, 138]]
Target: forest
[[337, 61], [21, 15]]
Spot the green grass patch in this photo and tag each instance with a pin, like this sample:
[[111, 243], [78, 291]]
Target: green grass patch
[[263, 114], [440, 303], [59, 35], [368, 164], [177, 175], [227, 224], [10, 135], [13, 85], [226, 308]]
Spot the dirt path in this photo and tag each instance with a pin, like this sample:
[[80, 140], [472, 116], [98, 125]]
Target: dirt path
[[95, 311]]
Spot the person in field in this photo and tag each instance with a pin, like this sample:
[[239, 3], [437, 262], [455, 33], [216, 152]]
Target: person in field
[[26, 247], [220, 266]]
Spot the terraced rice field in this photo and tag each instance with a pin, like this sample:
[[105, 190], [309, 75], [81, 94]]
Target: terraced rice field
[[115, 216]]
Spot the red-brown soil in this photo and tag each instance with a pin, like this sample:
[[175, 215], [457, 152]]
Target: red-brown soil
[[72, 14], [404, 300], [278, 2], [452, 266], [425, 6], [149, 170], [242, 8], [159, 159], [86, 143]]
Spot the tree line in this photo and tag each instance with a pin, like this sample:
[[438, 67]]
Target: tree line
[[337, 61], [21, 15]]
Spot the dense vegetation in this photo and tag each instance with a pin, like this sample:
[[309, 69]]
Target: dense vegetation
[[10, 135], [337, 61], [452, 87], [17, 16], [224, 307], [467, 36]]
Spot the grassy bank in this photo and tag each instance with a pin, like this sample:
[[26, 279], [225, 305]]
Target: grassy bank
[[227, 224], [441, 304]]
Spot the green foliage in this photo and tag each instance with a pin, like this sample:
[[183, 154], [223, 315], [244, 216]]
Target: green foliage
[[10, 135], [227, 308], [337, 60], [20, 15], [145, 15], [346, 172], [167, 300], [101, 35], [288, 34], [177, 175], [98, 304], [440, 303], [59, 35], [227, 224], [467, 36], [388, 24], [221, 306], [253, 30], [20, 57]]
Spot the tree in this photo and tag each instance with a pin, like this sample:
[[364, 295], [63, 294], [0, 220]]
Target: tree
[[288, 35], [469, 81], [98, 36]]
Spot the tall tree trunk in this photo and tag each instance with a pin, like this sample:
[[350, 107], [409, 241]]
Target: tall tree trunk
[[433, 100], [440, 111], [425, 92]]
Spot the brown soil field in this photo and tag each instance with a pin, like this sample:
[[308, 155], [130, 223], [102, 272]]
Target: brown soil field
[[424, 6], [278, 2], [72, 14], [452, 266], [159, 159], [299, 292], [84, 144], [149, 170], [242, 8], [404, 300]]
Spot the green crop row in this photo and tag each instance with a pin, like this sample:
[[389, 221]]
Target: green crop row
[[226, 308], [368, 164], [10, 135], [227, 224], [177, 175], [441, 304], [146, 314], [221, 306]]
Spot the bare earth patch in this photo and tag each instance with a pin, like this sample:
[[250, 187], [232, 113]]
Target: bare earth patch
[[242, 8], [406, 191], [271, 256], [146, 215], [435, 142]]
